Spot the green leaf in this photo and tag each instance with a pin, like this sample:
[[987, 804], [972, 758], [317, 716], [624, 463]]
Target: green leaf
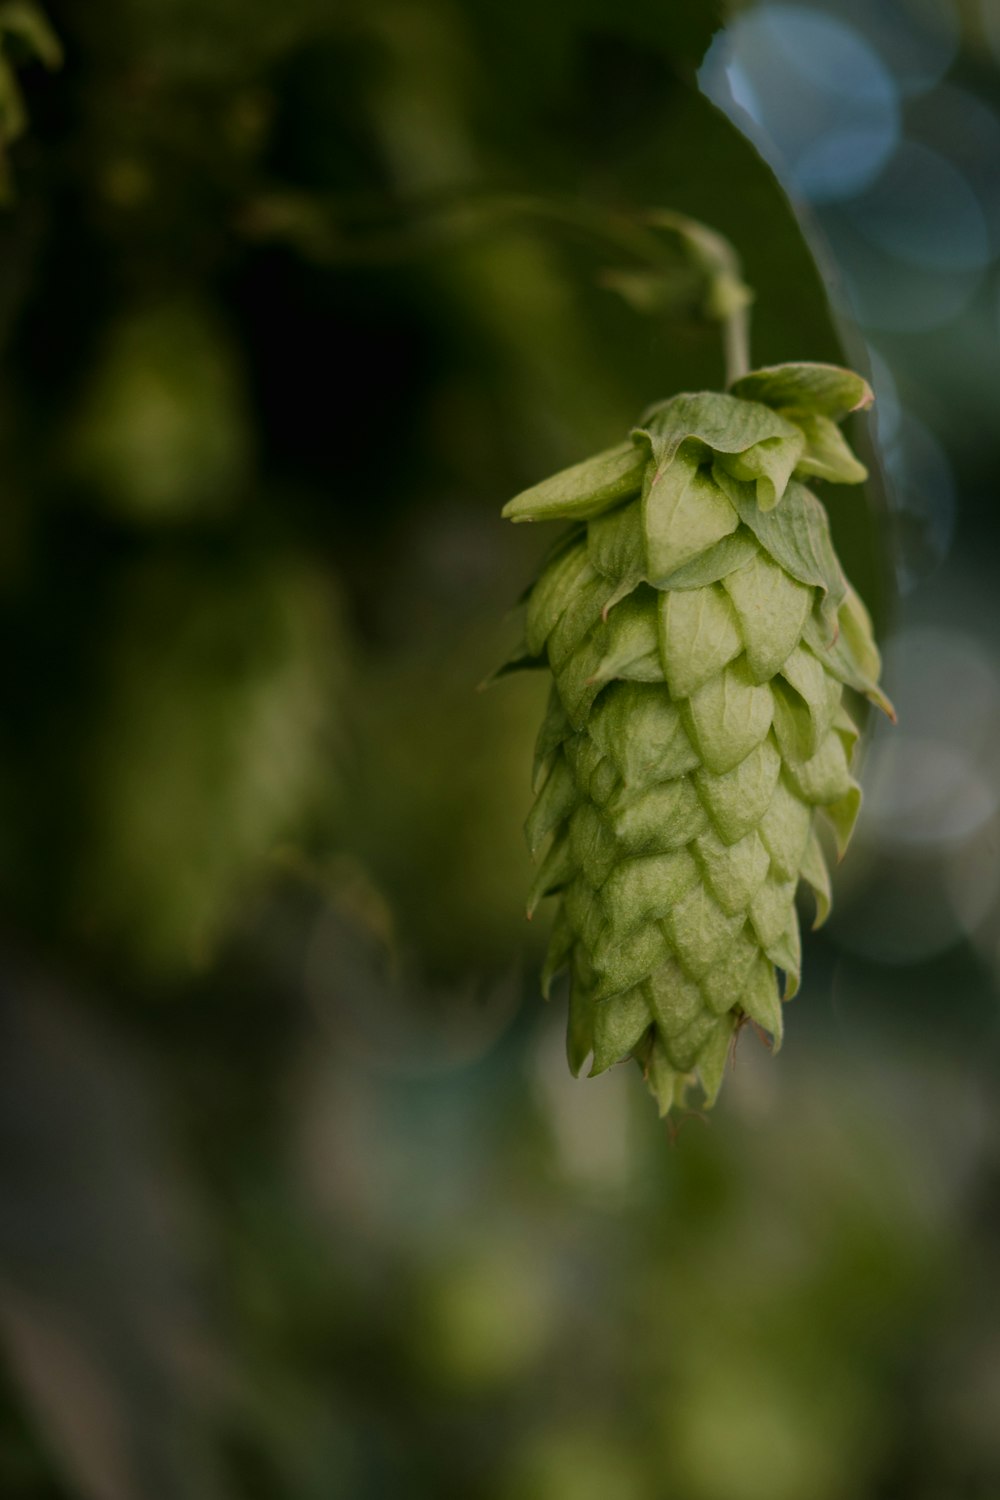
[[772, 608], [26, 21], [698, 636], [683, 513], [586, 489], [728, 717], [825, 389]]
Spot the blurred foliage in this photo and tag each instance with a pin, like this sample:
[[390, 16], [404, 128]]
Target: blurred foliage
[[295, 1199]]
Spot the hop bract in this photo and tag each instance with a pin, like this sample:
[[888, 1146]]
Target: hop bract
[[700, 633]]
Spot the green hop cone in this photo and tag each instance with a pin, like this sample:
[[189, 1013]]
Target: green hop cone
[[700, 633]]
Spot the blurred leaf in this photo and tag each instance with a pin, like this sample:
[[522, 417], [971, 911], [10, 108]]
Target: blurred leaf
[[163, 432], [216, 734]]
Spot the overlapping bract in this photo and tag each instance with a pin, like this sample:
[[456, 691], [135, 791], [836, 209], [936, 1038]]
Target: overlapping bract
[[700, 634]]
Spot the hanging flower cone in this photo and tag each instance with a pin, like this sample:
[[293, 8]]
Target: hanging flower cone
[[700, 634]]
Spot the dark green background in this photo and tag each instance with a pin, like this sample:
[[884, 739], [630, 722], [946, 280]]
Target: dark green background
[[296, 1196]]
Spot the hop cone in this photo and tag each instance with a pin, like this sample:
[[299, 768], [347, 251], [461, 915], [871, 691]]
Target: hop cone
[[700, 634]]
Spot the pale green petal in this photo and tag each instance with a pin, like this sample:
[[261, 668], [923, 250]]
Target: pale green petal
[[700, 932], [619, 1026], [698, 636], [810, 387], [585, 489], [784, 829], [554, 591], [826, 454], [660, 820], [768, 466], [641, 731], [580, 1027], [643, 890], [628, 642], [723, 985], [827, 776], [553, 805], [769, 910], [683, 513], [734, 872], [772, 608], [554, 729], [714, 563], [713, 1059], [815, 873], [620, 966], [709, 422], [674, 997], [559, 950], [797, 535], [738, 799], [761, 1002], [819, 691], [555, 870], [842, 816], [728, 717], [616, 546], [686, 1046]]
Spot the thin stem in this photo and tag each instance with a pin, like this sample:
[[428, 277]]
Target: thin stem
[[736, 344], [326, 235]]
